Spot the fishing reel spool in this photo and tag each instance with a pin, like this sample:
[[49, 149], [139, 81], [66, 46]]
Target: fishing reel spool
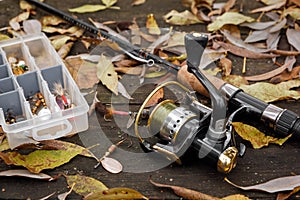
[[191, 124]]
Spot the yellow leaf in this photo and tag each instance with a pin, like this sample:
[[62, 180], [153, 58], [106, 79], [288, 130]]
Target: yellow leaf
[[270, 2], [39, 160], [116, 193], [4, 37], [293, 12], [51, 20], [273, 92], [183, 18], [85, 185], [106, 74], [228, 18], [59, 41], [236, 197], [257, 138], [88, 8], [109, 3], [152, 26], [67, 146], [4, 145]]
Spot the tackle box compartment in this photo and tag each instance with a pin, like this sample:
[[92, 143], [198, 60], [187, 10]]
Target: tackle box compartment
[[39, 100]]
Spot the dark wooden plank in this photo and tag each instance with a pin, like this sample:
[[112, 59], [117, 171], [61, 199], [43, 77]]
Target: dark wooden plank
[[255, 167]]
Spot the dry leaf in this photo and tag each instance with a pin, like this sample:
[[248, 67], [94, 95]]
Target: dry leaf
[[269, 74], [269, 92], [88, 8], [236, 197], [137, 2], [240, 43], [85, 185], [24, 5], [65, 49], [67, 146], [4, 37], [284, 196], [152, 26], [183, 18], [83, 72], [259, 25], [256, 36], [59, 40], [257, 138], [226, 65], [236, 80], [14, 22], [228, 18], [122, 90], [109, 3], [25, 173], [239, 51], [277, 5], [293, 37], [51, 20], [281, 184], [280, 25], [96, 7], [293, 12], [39, 160], [155, 98], [115, 193], [107, 75], [64, 196], [51, 29], [184, 192], [285, 76]]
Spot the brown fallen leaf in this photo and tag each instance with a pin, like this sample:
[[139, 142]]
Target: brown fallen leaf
[[286, 183], [284, 196], [285, 76], [155, 98], [244, 52], [269, 74], [83, 72], [184, 192], [115, 193], [226, 65], [257, 138]]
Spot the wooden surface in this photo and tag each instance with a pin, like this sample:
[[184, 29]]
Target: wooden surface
[[255, 167]]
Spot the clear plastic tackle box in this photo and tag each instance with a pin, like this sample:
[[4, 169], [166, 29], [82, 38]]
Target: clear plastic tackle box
[[39, 100]]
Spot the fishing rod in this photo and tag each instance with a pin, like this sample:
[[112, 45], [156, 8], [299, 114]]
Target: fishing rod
[[132, 51], [224, 98]]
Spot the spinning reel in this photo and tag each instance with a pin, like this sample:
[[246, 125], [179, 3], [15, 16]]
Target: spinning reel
[[192, 124]]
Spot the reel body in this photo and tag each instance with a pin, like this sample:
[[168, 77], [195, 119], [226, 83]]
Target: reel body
[[185, 126]]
